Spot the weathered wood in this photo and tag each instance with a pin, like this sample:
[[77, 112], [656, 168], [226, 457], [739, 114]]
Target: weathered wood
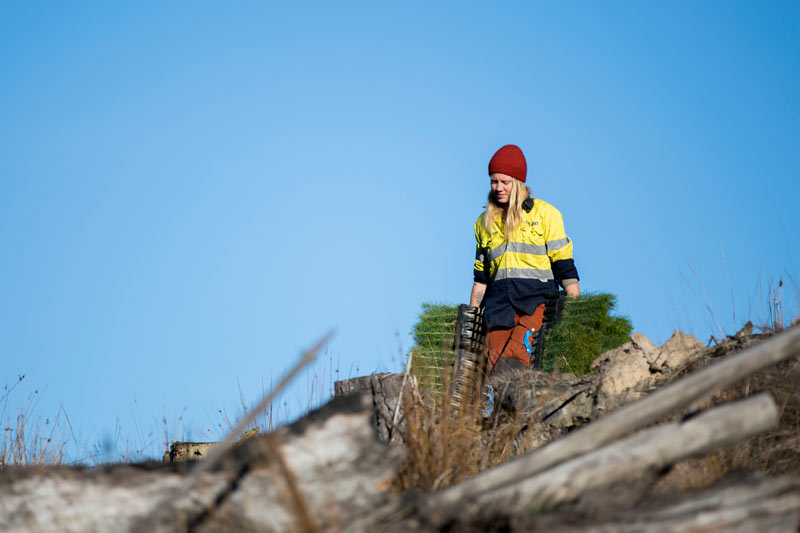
[[74, 500], [345, 387], [330, 460], [634, 416], [341, 471], [740, 502], [398, 403], [384, 390], [760, 504], [653, 448]]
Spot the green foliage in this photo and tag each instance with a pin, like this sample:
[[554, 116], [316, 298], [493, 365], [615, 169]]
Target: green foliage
[[586, 330], [433, 339]]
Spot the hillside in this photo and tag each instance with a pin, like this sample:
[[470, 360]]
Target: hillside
[[674, 437]]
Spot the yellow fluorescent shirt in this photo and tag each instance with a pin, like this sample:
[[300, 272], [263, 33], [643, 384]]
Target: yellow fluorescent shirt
[[539, 241], [521, 269]]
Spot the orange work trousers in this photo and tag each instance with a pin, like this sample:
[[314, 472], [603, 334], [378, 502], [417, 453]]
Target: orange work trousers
[[510, 342]]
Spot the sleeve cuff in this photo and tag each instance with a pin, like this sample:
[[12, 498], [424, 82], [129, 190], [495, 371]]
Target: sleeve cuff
[[564, 269]]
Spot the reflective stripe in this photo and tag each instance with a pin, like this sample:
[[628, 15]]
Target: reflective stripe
[[479, 255], [524, 273], [520, 247], [557, 244], [494, 253], [526, 248]]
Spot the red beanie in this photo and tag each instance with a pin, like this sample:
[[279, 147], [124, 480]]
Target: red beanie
[[509, 160]]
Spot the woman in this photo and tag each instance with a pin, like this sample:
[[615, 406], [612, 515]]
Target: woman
[[522, 254]]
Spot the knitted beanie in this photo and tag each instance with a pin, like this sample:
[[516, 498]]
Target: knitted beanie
[[509, 160]]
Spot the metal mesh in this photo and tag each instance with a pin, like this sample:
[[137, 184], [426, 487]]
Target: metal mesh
[[433, 353], [454, 339], [469, 344], [469, 373], [553, 307]]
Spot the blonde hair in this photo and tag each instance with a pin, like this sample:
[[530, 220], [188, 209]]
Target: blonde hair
[[513, 214]]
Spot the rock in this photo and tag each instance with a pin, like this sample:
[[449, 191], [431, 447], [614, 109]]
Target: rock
[[643, 343], [624, 372], [558, 399], [555, 403], [745, 332], [562, 401], [249, 434], [674, 353], [634, 368], [190, 451]]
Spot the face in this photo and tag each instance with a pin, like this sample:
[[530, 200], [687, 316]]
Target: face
[[501, 187]]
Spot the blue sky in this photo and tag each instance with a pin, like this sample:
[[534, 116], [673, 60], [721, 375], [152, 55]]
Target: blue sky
[[193, 193]]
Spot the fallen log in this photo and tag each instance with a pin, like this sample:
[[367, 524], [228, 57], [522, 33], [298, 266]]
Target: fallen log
[[339, 471], [742, 502], [650, 449], [744, 505], [629, 418]]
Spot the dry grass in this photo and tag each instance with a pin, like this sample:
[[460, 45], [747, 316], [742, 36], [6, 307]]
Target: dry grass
[[27, 438], [446, 445], [774, 453], [442, 449]]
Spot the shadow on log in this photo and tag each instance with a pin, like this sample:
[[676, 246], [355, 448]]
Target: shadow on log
[[340, 469]]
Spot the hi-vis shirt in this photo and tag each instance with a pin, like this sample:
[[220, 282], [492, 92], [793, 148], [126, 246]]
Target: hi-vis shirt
[[521, 270]]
